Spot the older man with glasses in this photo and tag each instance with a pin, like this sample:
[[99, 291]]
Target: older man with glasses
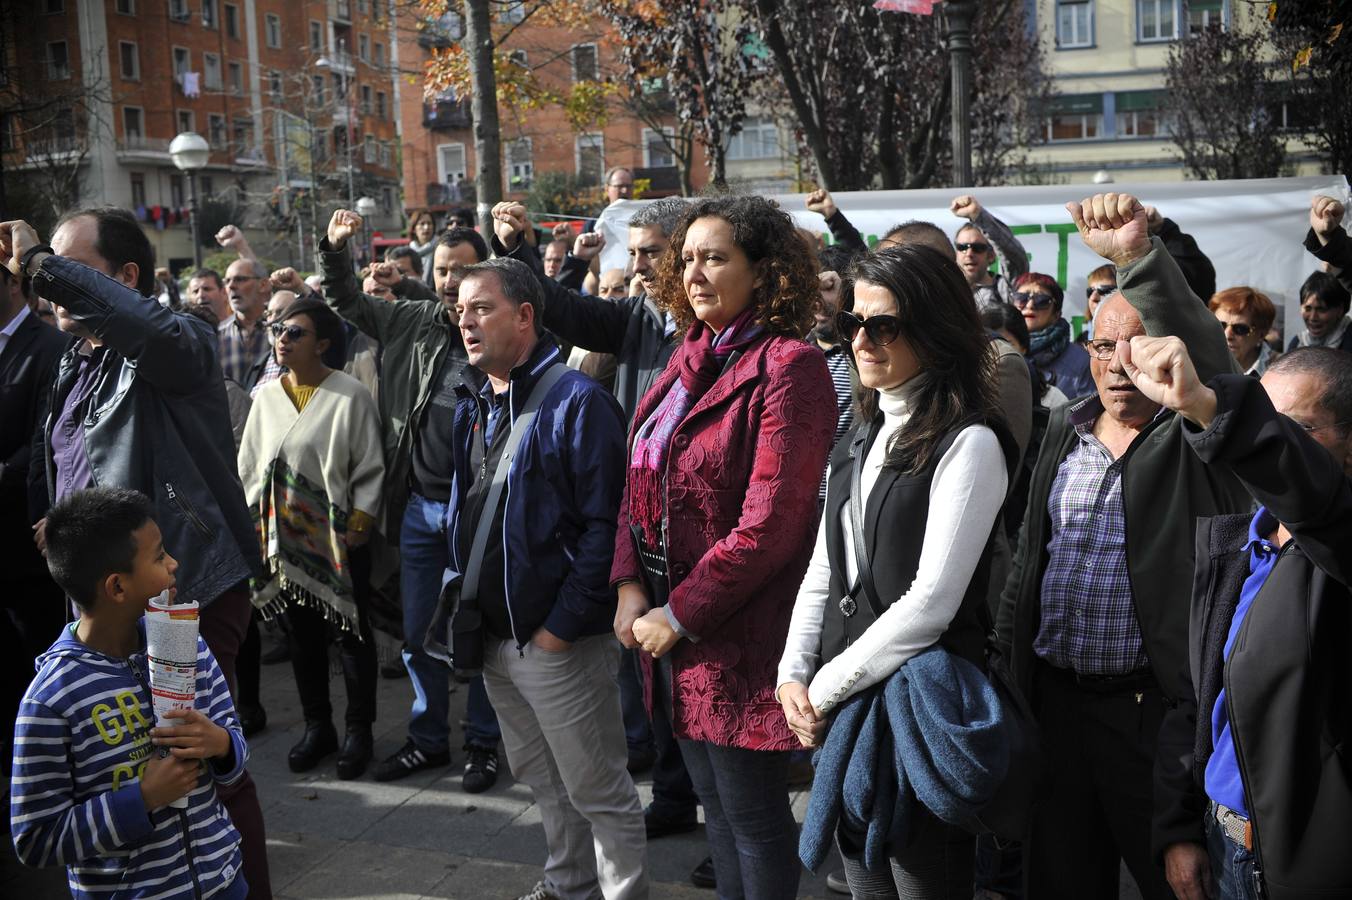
[[243, 336]]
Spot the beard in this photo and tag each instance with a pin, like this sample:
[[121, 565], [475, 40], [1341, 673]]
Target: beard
[[826, 333]]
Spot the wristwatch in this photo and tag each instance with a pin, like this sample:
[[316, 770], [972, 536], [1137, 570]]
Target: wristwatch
[[28, 255]]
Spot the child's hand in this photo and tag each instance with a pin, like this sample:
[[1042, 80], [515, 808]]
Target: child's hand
[[168, 778], [197, 738]]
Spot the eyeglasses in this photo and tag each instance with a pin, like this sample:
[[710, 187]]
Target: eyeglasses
[[1239, 328], [881, 330], [1039, 301], [1102, 290], [1102, 349], [975, 246], [292, 332], [1311, 429]]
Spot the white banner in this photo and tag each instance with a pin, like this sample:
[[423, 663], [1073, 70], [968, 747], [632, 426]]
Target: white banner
[[1252, 230]]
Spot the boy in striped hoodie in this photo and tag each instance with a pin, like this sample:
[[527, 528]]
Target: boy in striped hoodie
[[93, 777]]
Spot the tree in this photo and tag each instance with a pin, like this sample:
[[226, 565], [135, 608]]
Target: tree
[[1313, 36], [1221, 104]]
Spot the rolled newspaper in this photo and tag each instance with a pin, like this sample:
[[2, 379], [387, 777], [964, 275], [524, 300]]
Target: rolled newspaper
[[171, 654]]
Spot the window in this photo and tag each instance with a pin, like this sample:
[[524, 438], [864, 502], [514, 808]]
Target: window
[[211, 72], [520, 165], [1074, 23], [216, 129], [381, 111], [317, 83], [130, 60], [363, 48], [242, 137], [275, 86], [656, 149], [126, 7], [363, 7], [1140, 114], [758, 139], [342, 10], [209, 17], [591, 158], [385, 154], [447, 27], [365, 99], [514, 11], [1156, 20], [584, 62], [387, 200], [8, 136], [378, 54], [178, 10], [236, 71], [182, 62], [368, 149], [232, 21], [377, 10], [185, 119], [316, 37], [1204, 15], [272, 30], [450, 163], [138, 190], [131, 123], [58, 61], [176, 191], [1075, 118]]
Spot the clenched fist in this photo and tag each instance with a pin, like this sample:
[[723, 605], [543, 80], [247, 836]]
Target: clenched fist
[[1113, 226], [344, 224], [1326, 214], [288, 279], [509, 221], [965, 207], [588, 246], [820, 201]]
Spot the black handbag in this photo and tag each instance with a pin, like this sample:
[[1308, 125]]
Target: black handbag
[[455, 635]]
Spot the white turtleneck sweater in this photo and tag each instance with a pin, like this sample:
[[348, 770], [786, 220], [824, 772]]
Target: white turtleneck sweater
[[966, 493]]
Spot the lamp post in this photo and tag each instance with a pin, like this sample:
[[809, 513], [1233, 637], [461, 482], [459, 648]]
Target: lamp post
[[366, 208], [346, 81], [958, 37], [190, 152]]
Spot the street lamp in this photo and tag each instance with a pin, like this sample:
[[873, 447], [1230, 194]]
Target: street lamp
[[366, 208], [346, 81], [958, 37], [190, 152]]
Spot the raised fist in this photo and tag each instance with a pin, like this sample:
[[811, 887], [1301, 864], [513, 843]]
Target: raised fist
[[965, 207], [563, 232], [1153, 220], [1326, 214], [588, 246], [819, 201], [387, 274], [288, 279], [509, 221], [16, 238], [1113, 226], [343, 225], [229, 237]]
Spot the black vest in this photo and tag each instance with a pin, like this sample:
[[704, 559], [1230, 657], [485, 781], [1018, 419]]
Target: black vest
[[894, 532]]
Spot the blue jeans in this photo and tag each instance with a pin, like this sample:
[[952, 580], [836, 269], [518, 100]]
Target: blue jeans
[[1231, 864], [423, 558], [752, 835]]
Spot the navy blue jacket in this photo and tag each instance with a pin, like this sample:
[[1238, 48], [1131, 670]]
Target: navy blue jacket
[[561, 501]]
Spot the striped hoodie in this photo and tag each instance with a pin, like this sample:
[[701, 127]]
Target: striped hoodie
[[81, 740]]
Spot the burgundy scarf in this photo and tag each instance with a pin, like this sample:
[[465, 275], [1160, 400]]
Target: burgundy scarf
[[701, 358]]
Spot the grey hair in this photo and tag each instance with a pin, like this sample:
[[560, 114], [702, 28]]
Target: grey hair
[[517, 281], [664, 214], [256, 268], [1333, 368]]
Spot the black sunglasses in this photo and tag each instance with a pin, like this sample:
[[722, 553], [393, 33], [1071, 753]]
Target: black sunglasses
[[292, 332], [1038, 301], [1239, 328], [978, 246], [1102, 290], [881, 330]]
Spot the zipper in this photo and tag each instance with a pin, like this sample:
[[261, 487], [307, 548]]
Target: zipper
[[187, 847], [186, 508]]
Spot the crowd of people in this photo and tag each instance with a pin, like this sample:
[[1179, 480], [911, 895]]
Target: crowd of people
[[749, 498]]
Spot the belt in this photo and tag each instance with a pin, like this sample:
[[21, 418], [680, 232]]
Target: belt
[[1233, 825], [1131, 681]]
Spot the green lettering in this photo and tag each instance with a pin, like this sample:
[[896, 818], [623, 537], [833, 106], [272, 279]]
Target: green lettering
[[1063, 231], [131, 711], [105, 720]]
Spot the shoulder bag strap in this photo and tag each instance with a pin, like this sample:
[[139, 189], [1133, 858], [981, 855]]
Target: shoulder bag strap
[[469, 588], [858, 450]]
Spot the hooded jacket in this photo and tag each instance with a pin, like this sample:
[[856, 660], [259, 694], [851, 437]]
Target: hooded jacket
[[81, 742]]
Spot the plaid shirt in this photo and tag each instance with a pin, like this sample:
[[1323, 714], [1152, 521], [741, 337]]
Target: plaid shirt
[[1088, 614], [240, 349]]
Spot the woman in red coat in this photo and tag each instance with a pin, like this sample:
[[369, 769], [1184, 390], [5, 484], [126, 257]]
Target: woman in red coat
[[718, 518]]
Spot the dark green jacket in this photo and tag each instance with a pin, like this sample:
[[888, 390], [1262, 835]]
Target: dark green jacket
[[1165, 489], [414, 336]]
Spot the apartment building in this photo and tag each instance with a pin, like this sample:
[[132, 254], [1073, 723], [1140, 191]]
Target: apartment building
[[1107, 59], [439, 162], [297, 101]]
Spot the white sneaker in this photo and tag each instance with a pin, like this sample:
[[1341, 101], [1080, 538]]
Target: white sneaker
[[539, 892]]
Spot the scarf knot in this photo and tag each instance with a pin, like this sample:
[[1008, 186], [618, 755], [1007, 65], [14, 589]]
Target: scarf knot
[[1046, 344]]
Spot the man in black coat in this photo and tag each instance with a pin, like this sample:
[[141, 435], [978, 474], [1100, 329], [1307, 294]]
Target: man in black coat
[[32, 612], [1258, 747]]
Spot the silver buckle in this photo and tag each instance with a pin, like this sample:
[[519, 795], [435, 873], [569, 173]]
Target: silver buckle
[[848, 606]]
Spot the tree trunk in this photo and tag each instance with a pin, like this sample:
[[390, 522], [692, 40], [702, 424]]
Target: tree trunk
[[813, 134], [484, 110], [889, 160]]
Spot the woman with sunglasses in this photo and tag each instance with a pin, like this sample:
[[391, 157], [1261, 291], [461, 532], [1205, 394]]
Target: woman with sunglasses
[[312, 465], [727, 450], [1246, 315], [1052, 353], [932, 474]]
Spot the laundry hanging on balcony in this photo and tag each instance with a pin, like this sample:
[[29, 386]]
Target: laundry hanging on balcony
[[192, 84]]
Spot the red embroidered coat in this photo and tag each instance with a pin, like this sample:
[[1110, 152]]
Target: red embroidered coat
[[741, 499]]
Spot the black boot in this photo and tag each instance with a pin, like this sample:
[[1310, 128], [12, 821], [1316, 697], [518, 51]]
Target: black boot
[[318, 742], [358, 747]]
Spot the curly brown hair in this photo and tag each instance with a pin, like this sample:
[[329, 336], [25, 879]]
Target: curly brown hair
[[788, 291]]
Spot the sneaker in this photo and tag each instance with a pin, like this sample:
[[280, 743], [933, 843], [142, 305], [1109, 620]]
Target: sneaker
[[540, 892], [836, 883], [408, 760], [481, 769], [703, 875]]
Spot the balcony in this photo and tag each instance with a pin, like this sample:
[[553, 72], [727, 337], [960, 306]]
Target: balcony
[[64, 148], [249, 156], [140, 149], [447, 115]]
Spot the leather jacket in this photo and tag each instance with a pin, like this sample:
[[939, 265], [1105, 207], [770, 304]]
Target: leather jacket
[[158, 422]]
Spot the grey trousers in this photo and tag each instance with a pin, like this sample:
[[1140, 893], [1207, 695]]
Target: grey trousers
[[564, 736]]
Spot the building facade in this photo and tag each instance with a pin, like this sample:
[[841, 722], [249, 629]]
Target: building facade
[[297, 101]]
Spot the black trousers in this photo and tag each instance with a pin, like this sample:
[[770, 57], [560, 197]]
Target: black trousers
[[1095, 808], [310, 634]]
